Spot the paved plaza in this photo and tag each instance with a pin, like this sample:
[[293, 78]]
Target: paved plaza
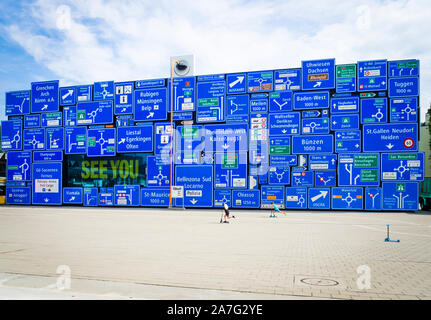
[[116, 253]]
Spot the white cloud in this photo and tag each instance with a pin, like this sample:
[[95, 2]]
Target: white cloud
[[125, 40]]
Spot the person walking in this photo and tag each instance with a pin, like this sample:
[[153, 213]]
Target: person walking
[[225, 214], [274, 210]]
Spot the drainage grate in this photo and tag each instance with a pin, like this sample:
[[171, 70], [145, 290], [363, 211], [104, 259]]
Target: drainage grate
[[320, 282]]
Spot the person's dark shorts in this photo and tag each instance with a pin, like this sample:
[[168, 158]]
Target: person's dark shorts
[[226, 212]]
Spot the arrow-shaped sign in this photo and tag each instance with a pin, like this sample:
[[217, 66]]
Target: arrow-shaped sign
[[239, 79], [320, 195]]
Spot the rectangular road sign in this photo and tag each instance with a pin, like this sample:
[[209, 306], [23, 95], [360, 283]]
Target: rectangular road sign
[[315, 125], [44, 96], [184, 94], [94, 112], [18, 167], [151, 104], [127, 195], [158, 172], [34, 139], [186, 157], [73, 195], [319, 198], [226, 138], [211, 101], [323, 161], [302, 178], [106, 197], [403, 68], [313, 144], [54, 138], [245, 198], [258, 151], [345, 105], [260, 81], [348, 141], [135, 139], [390, 137], [287, 79], [345, 122], [279, 145], [17, 103], [347, 198], [67, 96], [69, 115], [372, 75], [18, 195], [237, 108], [400, 196], [403, 87], [52, 119], [90, 197], [123, 98], [75, 140], [236, 83], [403, 166], [230, 170], [101, 142], [403, 109], [280, 101], [46, 156], [272, 195], [311, 100], [198, 185], [32, 121], [258, 105], [104, 90], [373, 199], [189, 139], [358, 169], [154, 197], [47, 183], [318, 74], [279, 175], [374, 110], [162, 137], [152, 83], [283, 160], [281, 124], [221, 197], [11, 135], [325, 178], [345, 77], [84, 93], [296, 198]]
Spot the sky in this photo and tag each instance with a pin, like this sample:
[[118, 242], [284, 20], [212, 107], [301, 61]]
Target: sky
[[82, 41]]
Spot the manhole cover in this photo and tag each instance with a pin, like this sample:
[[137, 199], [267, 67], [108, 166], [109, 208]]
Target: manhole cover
[[320, 282]]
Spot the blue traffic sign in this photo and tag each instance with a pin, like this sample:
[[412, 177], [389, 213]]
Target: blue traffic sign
[[54, 138], [296, 198], [52, 119], [403, 166], [94, 112], [44, 96], [404, 109], [319, 198], [236, 83], [237, 108], [347, 198], [184, 94], [272, 195], [283, 160], [373, 199], [260, 81], [47, 183], [400, 196], [197, 181], [311, 100], [18, 167], [222, 197], [315, 125], [279, 145], [345, 78], [374, 110], [403, 68], [123, 98], [158, 172], [390, 137], [46, 156], [323, 162], [358, 169], [152, 83], [127, 195], [301, 178], [230, 170], [101, 142], [162, 138], [73, 195], [345, 122], [279, 175], [313, 144], [151, 104], [280, 101], [67, 96], [84, 93], [245, 198], [17, 103], [189, 139], [312, 113], [32, 121], [211, 101], [75, 140], [348, 141], [372, 75], [69, 115], [345, 105], [287, 79], [34, 139], [154, 197], [325, 178], [258, 151], [226, 138], [318, 74], [281, 124], [258, 105], [11, 135], [186, 157], [181, 116], [90, 197], [403, 87], [135, 139], [18, 195], [106, 197], [103, 90]]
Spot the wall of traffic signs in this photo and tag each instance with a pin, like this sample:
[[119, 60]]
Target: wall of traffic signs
[[322, 136]]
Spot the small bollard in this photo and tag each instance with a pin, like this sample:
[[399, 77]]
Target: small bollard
[[388, 239]]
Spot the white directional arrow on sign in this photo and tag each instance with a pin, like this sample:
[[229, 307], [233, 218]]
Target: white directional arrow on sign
[[239, 79], [69, 93], [318, 83], [122, 140], [225, 146], [320, 195], [150, 115], [193, 201], [389, 146]]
